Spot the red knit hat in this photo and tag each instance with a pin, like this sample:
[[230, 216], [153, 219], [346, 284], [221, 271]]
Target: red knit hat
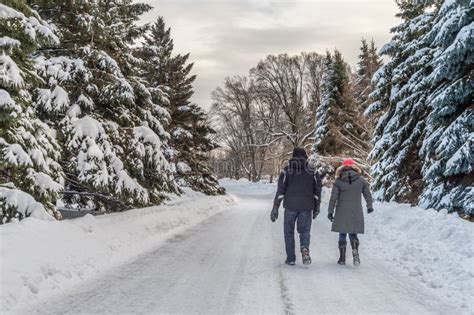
[[348, 162]]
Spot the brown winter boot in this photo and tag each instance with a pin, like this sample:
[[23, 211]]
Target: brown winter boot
[[342, 252], [355, 252]]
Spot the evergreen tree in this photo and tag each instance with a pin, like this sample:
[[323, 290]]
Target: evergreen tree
[[448, 147], [111, 124], [321, 128], [29, 169], [369, 62], [189, 142], [400, 99], [339, 129]]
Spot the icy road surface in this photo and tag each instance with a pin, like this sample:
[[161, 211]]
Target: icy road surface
[[233, 263]]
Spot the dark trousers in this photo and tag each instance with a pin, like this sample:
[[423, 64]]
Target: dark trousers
[[342, 237], [302, 219]]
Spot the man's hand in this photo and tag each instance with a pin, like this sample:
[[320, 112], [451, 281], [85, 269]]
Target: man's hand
[[370, 210], [330, 217], [274, 213], [316, 211]]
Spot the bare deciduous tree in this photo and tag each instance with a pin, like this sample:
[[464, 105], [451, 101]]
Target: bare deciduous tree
[[289, 86], [236, 108], [262, 118]]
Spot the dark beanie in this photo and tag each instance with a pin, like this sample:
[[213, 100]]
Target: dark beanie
[[299, 152]]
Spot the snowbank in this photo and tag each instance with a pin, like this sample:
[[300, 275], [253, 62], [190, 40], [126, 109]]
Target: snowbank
[[40, 258], [434, 247], [244, 187]]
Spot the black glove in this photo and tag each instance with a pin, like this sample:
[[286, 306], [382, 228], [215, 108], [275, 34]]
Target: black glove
[[274, 213], [330, 217], [370, 210], [316, 211]]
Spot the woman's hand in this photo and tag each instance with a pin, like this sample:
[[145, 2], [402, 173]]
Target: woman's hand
[[330, 217]]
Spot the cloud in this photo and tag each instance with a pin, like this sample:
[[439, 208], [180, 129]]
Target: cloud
[[228, 37]]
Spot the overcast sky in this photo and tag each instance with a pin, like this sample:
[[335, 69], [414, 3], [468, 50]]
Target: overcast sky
[[228, 37]]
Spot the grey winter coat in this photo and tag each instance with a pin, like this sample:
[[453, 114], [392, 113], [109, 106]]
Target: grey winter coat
[[346, 198], [299, 186]]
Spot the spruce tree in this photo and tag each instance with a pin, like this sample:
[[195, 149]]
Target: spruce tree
[[190, 134], [400, 100], [321, 128], [111, 129], [448, 146], [369, 62], [339, 130], [29, 156]]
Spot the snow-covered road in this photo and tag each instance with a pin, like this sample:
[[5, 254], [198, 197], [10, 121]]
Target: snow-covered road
[[233, 263]]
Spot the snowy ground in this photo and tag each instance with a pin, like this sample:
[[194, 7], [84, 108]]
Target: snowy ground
[[161, 260], [40, 259]]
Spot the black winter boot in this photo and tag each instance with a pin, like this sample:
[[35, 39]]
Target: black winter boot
[[342, 252], [355, 252], [305, 256]]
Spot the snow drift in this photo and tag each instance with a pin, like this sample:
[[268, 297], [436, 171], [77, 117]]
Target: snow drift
[[436, 248], [39, 258]]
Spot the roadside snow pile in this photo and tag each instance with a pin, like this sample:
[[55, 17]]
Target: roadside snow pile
[[246, 188], [40, 258], [435, 247]]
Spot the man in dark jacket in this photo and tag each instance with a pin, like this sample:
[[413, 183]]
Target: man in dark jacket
[[299, 186]]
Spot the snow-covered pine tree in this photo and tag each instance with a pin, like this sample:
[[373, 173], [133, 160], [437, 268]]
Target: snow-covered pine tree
[[321, 127], [30, 176], [190, 134], [369, 62], [400, 98], [149, 164], [339, 127], [194, 151], [448, 147], [111, 129]]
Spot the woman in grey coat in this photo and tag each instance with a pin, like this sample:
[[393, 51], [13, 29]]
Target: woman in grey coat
[[346, 199]]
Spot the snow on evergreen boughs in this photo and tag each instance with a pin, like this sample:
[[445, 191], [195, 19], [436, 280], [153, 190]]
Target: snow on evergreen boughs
[[102, 78], [8, 104], [400, 100], [16, 205], [68, 82], [169, 76], [14, 154], [9, 42], [423, 143], [150, 146], [10, 73], [321, 128], [91, 91], [90, 150], [448, 149], [32, 26], [54, 101], [29, 153]]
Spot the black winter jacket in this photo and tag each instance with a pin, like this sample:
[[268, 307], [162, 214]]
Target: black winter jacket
[[299, 186]]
